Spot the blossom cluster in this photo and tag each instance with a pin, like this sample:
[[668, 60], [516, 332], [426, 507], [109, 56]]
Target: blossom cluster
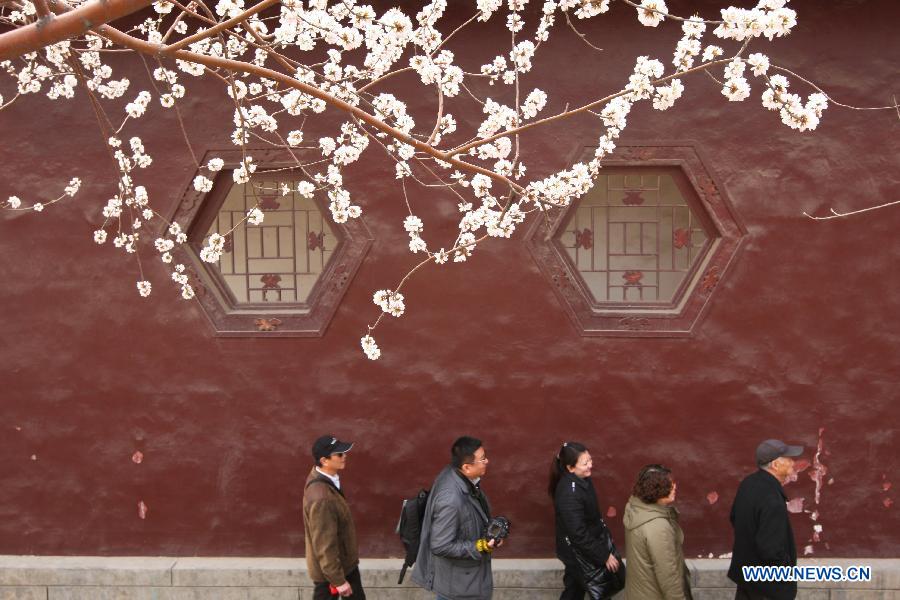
[[793, 111], [370, 348], [689, 45], [770, 18], [389, 302], [439, 71], [414, 226]]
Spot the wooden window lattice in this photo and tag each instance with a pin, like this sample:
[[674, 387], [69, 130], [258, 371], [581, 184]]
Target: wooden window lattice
[[280, 260], [633, 238]]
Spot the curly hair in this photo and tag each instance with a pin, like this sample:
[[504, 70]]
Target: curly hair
[[653, 482]]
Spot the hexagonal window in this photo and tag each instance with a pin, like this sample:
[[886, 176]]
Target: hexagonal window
[[284, 277], [634, 237], [281, 260], [642, 252]]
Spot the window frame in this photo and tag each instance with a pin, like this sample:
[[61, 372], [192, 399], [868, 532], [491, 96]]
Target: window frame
[[678, 318], [196, 211]]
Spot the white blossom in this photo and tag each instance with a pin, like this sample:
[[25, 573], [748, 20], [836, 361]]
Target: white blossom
[[14, 202], [390, 302], [649, 13], [370, 347], [295, 138], [591, 8], [255, 216], [215, 164], [214, 248], [100, 236], [327, 145], [243, 172], [711, 53], [759, 63], [144, 288], [487, 8], [534, 103], [306, 189], [413, 224], [202, 184]]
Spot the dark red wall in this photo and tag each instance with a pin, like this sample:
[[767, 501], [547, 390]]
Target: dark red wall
[[802, 335]]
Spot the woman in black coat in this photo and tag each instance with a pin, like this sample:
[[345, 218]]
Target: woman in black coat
[[579, 526]]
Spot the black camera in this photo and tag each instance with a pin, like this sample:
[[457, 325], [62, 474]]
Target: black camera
[[497, 529]]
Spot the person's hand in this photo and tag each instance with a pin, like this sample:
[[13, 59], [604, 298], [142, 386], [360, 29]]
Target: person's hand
[[344, 590], [493, 543], [612, 564]]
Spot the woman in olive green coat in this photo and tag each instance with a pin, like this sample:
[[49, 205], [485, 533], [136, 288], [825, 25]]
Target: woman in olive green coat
[[653, 538]]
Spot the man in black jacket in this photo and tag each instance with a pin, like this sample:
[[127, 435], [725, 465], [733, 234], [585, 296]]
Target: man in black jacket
[[762, 528]]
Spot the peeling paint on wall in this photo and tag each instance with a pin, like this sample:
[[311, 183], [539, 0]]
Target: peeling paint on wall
[[886, 485], [712, 497], [142, 510], [817, 475], [795, 505], [819, 469]]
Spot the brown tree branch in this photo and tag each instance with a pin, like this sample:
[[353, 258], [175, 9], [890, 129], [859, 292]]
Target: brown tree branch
[[220, 27], [74, 22]]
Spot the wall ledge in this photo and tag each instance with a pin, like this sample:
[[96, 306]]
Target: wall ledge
[[259, 578]]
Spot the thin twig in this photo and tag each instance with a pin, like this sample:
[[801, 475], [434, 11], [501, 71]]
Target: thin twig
[[579, 34], [836, 215]]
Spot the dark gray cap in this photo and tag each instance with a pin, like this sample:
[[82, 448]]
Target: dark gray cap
[[769, 450]]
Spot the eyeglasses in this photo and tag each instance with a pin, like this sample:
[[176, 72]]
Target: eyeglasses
[[483, 459]]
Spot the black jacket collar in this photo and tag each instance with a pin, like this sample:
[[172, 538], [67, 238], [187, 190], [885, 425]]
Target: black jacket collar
[[582, 483], [772, 481]]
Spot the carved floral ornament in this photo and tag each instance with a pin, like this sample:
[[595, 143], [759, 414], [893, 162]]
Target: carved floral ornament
[[256, 55], [643, 256]]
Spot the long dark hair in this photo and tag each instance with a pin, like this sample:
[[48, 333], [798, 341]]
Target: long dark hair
[[566, 457]]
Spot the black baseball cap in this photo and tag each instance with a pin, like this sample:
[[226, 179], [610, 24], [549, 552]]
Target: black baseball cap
[[327, 445], [769, 450]]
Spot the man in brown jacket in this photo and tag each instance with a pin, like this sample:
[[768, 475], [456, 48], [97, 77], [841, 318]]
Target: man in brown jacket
[[331, 553]]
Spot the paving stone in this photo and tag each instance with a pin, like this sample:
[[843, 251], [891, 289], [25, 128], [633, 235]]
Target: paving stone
[[848, 594], [172, 593], [709, 573], [30, 592], [713, 593], [84, 570], [227, 572], [528, 573]]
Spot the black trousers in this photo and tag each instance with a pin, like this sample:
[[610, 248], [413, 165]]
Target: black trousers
[[321, 591], [744, 593], [572, 589]]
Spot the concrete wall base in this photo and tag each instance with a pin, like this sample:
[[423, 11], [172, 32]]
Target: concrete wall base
[[163, 578]]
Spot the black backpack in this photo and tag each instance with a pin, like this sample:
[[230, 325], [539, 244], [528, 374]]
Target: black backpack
[[409, 528]]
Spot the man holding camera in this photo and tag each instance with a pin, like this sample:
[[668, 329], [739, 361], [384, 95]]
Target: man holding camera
[[454, 559]]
